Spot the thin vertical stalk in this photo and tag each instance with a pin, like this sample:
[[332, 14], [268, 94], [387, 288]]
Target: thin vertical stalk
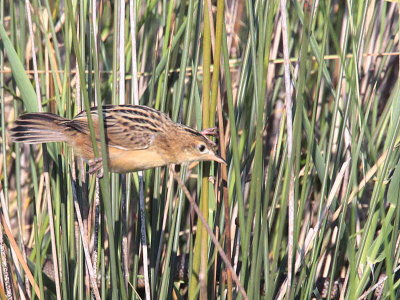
[[97, 224], [143, 236], [135, 95], [214, 95], [97, 100], [200, 260], [199, 271], [121, 51], [134, 81], [289, 124], [3, 114], [217, 59], [7, 282], [203, 277]]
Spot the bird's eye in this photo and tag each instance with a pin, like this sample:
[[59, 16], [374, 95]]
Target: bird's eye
[[201, 148]]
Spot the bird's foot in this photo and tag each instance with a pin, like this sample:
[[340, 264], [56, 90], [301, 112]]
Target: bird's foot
[[209, 131], [96, 166]]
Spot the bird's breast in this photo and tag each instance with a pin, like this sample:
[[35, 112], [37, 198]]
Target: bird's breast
[[123, 161]]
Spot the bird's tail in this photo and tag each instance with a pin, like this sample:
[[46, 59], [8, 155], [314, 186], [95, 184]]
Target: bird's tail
[[36, 128]]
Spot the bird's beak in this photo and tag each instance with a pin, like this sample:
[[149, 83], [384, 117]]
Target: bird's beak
[[219, 159]]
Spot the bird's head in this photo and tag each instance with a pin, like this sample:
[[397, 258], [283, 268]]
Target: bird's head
[[192, 145]]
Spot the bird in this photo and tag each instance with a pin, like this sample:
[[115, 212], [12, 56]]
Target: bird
[[137, 137]]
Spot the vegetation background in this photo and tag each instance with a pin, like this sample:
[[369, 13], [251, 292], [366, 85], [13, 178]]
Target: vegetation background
[[306, 98]]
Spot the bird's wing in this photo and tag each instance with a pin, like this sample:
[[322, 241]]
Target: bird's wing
[[124, 129]]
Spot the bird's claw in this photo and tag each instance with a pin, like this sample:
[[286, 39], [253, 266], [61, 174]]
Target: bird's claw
[[96, 166], [209, 131]]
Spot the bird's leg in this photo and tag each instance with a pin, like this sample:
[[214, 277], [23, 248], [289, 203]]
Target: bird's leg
[[209, 131], [96, 166]]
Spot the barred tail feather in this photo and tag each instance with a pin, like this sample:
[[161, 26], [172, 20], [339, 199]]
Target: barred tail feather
[[36, 128]]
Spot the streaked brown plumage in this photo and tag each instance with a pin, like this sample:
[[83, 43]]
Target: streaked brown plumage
[[138, 137]]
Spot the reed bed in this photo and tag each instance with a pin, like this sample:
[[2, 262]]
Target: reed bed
[[305, 95]]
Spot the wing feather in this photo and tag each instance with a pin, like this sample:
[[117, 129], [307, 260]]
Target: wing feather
[[126, 127]]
